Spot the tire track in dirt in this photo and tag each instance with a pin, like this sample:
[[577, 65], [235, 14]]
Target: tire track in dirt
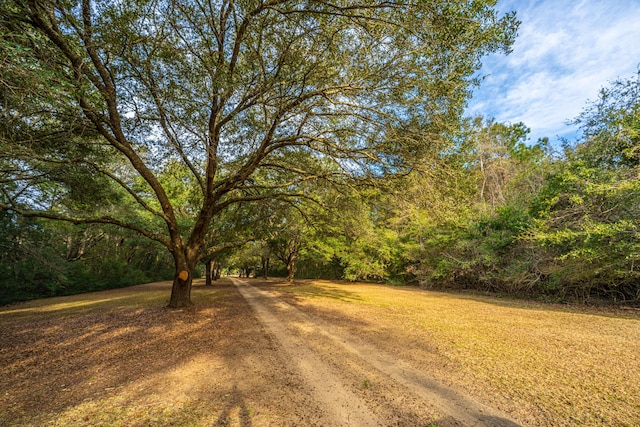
[[341, 406], [294, 330]]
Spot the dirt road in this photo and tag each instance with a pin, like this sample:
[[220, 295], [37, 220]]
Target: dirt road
[[339, 370]]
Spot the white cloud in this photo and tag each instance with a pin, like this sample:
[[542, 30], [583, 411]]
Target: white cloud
[[565, 52]]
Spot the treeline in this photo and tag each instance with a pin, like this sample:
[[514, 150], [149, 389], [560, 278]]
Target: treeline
[[562, 225], [41, 258]]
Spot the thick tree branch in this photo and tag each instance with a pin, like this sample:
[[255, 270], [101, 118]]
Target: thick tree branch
[[96, 220]]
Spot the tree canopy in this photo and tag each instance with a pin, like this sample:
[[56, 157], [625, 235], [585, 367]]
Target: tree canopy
[[102, 100]]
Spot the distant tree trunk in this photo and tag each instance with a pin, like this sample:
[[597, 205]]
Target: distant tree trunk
[[78, 245], [265, 267], [291, 268], [208, 267], [217, 270], [213, 270], [287, 250]]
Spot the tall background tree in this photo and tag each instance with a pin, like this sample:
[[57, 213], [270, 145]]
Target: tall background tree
[[100, 99]]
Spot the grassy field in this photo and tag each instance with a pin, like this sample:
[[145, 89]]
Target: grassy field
[[548, 365], [120, 358]]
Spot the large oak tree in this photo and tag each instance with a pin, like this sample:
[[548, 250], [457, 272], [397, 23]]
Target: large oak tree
[[102, 97]]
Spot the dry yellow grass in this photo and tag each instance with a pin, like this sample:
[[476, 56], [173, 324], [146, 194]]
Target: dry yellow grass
[[545, 364]]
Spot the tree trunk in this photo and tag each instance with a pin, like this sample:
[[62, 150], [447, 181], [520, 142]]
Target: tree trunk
[[291, 269], [181, 290], [265, 267], [217, 270], [208, 267]]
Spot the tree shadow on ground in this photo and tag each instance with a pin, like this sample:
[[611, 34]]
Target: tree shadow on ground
[[127, 356]]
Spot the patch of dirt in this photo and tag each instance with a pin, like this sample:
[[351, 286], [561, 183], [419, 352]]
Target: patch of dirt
[[241, 356]]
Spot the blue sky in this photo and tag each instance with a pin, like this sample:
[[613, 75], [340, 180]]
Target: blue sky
[[565, 52]]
